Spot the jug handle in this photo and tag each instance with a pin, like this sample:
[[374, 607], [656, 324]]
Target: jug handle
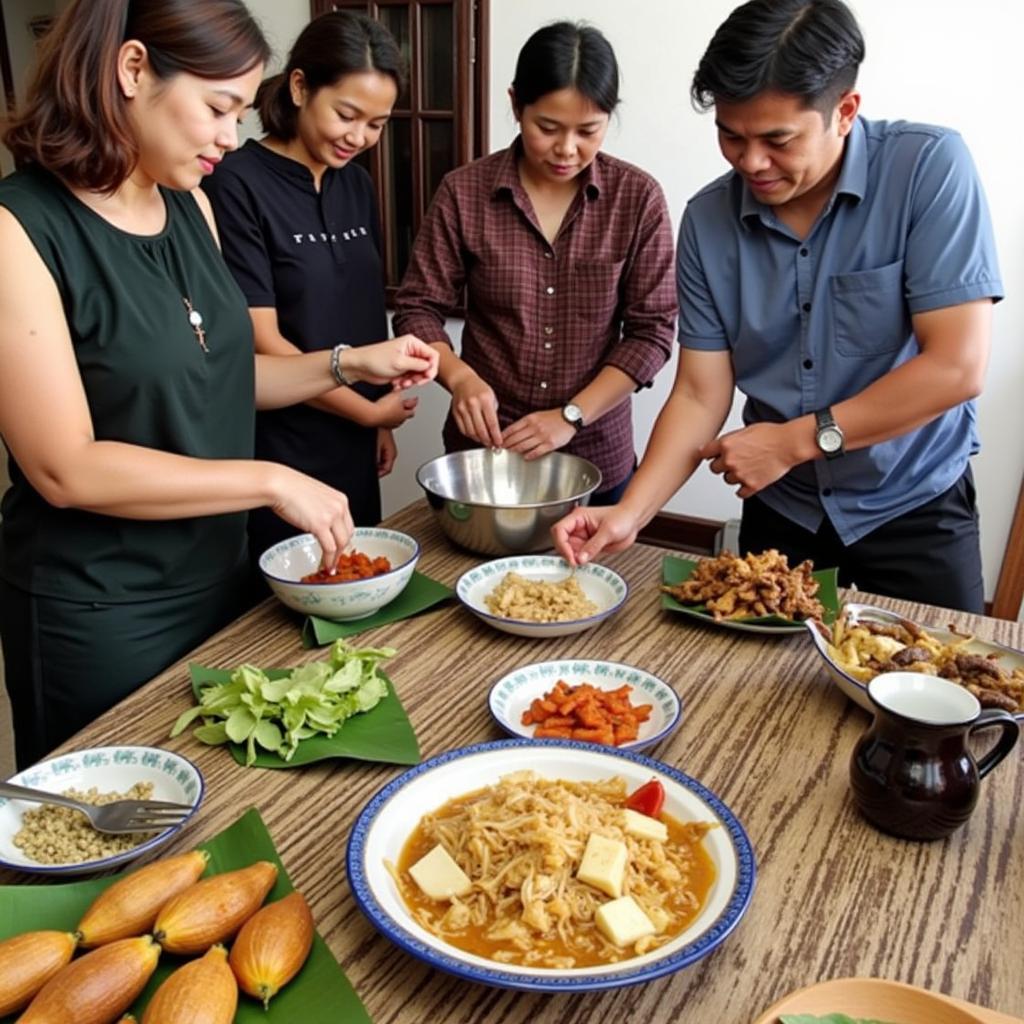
[[989, 719]]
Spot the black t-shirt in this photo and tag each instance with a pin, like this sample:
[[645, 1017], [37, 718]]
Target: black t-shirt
[[315, 258]]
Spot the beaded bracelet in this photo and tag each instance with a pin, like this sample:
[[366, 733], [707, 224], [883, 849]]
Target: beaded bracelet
[[336, 371]]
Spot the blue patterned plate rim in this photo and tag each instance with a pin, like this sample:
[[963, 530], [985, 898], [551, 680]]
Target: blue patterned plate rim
[[490, 617], [414, 558], [707, 941], [638, 744], [91, 866]]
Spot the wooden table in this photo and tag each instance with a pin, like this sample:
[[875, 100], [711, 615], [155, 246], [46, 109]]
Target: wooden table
[[763, 727]]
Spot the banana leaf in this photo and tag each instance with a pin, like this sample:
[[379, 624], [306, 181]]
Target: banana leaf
[[319, 994], [382, 734]]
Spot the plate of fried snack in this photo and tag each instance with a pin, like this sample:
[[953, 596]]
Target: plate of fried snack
[[758, 593], [865, 641]]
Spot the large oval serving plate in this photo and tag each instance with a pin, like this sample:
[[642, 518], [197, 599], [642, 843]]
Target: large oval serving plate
[[385, 824], [1008, 657], [513, 693]]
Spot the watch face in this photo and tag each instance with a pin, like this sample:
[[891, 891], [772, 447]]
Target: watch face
[[830, 439], [573, 414]]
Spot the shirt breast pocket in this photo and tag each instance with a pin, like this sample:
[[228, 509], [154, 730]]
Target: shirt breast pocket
[[595, 290], [870, 311]]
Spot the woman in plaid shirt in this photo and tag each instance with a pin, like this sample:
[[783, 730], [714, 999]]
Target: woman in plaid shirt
[[565, 258]]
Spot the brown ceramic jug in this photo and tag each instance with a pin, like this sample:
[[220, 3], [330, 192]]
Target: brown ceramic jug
[[912, 772]]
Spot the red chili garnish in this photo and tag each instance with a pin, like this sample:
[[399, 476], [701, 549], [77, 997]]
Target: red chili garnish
[[648, 799]]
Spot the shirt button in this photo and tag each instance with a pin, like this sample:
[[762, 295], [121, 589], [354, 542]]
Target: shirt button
[[549, 255], [807, 307], [547, 344], [550, 290], [808, 364], [543, 385], [549, 330], [827, 492], [803, 252]]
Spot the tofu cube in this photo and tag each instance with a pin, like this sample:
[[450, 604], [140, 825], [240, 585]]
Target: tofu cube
[[604, 864], [623, 922], [439, 876], [643, 826]]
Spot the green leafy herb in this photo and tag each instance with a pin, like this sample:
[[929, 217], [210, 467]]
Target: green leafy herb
[[832, 1018], [277, 714]]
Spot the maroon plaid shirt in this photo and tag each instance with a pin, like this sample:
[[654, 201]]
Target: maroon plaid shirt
[[542, 320]]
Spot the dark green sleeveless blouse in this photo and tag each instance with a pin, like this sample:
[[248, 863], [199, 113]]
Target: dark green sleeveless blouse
[[148, 382]]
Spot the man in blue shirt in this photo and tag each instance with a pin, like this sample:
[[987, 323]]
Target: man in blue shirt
[[842, 276]]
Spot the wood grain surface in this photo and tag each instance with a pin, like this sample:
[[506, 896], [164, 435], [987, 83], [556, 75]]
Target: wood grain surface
[[763, 727]]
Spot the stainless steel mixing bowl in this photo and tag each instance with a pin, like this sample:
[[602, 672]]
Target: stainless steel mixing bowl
[[498, 503]]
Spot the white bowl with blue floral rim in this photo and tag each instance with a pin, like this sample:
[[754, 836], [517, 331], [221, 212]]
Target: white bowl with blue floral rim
[[284, 564], [108, 770], [384, 826], [513, 693], [605, 588]]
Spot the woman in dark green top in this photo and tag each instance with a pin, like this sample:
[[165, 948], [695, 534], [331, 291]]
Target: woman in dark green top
[[127, 376]]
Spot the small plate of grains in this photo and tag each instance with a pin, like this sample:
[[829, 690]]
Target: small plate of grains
[[51, 840]]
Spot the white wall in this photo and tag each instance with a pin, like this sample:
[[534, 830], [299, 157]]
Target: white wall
[[926, 61]]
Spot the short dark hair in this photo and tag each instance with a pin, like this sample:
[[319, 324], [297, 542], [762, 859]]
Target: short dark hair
[[564, 55], [807, 48], [75, 119], [336, 44]]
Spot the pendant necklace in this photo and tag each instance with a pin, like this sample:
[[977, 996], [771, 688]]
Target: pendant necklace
[[195, 319]]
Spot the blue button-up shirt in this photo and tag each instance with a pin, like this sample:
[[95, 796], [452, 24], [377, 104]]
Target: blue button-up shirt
[[811, 322]]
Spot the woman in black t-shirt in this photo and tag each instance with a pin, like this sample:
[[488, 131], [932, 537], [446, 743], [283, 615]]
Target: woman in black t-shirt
[[298, 223]]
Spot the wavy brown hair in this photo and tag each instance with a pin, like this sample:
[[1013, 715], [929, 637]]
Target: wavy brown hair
[[74, 121]]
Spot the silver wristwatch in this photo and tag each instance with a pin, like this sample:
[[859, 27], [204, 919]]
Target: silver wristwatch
[[829, 435], [573, 415]]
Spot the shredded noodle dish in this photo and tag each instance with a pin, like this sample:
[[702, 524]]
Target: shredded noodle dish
[[553, 874]]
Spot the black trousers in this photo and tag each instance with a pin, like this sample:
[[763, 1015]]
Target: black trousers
[[930, 554], [66, 662]]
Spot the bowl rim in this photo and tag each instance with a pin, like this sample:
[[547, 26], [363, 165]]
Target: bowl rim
[[733, 912], [413, 559], [491, 618], [578, 496], [91, 866], [637, 744]]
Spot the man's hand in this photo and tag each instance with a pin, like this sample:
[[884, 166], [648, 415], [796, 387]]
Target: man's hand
[[753, 457], [538, 433], [585, 532]]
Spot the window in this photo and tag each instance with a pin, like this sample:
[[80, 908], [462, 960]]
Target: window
[[438, 123]]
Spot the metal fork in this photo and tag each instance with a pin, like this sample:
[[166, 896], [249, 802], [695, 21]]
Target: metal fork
[[117, 817]]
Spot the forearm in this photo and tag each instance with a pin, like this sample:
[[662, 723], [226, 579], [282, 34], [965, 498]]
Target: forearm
[[133, 482], [610, 388], [450, 367]]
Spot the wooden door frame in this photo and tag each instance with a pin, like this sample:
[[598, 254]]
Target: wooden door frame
[[1010, 588], [6, 72]]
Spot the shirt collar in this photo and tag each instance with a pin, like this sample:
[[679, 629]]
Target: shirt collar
[[852, 181], [286, 166], [506, 173]]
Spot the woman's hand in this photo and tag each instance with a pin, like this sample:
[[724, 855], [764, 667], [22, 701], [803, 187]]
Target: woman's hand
[[387, 452], [538, 433], [402, 362], [475, 408], [393, 409], [585, 532], [312, 507]]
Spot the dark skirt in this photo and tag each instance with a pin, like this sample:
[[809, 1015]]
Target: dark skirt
[[66, 662]]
